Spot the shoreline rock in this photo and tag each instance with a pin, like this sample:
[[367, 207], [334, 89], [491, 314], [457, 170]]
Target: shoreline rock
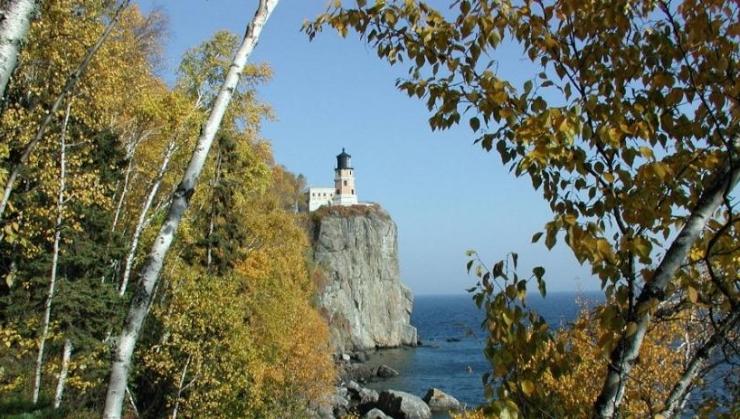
[[352, 398], [402, 405], [438, 400], [384, 371]]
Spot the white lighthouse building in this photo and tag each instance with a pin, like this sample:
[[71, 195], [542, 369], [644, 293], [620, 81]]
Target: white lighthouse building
[[344, 192]]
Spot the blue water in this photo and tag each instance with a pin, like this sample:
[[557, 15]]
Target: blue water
[[456, 367]]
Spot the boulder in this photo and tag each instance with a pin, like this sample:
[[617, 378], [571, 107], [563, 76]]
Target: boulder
[[353, 387], [340, 404], [360, 356], [367, 396], [358, 372], [402, 405], [376, 414], [438, 400], [384, 371]]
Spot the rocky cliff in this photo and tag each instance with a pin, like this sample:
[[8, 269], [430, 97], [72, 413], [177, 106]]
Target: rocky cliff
[[364, 299]]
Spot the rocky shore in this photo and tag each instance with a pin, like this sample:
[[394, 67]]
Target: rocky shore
[[368, 309], [353, 398]]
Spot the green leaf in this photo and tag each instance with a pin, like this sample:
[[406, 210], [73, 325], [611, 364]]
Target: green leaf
[[470, 265], [475, 123]]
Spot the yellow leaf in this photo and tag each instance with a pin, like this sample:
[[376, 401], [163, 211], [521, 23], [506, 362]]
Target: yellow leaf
[[631, 328], [693, 295], [527, 387]]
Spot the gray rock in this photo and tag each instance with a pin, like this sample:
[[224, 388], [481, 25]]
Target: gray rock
[[402, 405], [364, 300], [358, 372], [438, 400], [346, 357], [384, 371], [342, 392], [368, 396], [376, 414], [352, 386], [360, 356], [340, 404]]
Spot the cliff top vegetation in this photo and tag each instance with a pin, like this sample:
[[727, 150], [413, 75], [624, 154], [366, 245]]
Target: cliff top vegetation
[[366, 209]]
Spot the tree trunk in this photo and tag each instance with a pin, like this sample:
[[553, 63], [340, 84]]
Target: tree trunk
[[141, 223], [122, 198], [66, 90], [13, 30], [681, 389], [66, 354], [625, 353], [54, 257], [180, 201], [211, 223], [180, 387]]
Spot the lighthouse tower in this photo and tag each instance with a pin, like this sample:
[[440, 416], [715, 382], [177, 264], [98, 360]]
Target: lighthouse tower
[[344, 181]]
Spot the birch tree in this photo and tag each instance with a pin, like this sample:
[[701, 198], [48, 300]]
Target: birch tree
[[14, 24], [627, 121], [55, 255], [68, 89], [66, 355], [180, 199], [143, 219]]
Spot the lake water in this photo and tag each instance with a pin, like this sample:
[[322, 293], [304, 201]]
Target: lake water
[[451, 357]]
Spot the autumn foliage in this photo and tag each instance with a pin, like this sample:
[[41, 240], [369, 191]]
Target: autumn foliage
[[626, 120], [232, 331]]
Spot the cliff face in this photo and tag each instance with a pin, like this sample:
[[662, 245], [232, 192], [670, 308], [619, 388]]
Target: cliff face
[[364, 299]]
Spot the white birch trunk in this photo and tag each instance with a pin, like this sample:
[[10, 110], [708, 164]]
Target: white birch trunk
[[211, 224], [66, 354], [142, 221], [677, 397], [180, 201], [66, 90], [122, 198], [627, 350], [180, 388], [13, 31], [131, 146], [132, 402], [54, 257]]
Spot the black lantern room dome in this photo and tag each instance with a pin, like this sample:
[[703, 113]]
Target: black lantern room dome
[[344, 161]]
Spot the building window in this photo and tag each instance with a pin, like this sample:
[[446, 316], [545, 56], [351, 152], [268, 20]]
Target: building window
[[338, 192], [353, 191], [345, 183]]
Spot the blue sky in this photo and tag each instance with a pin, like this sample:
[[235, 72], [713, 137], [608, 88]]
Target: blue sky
[[446, 194]]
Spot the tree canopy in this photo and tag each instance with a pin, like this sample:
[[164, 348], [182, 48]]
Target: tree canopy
[[233, 331], [629, 127]]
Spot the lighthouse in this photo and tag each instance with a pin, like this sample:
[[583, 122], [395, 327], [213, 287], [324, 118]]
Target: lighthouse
[[344, 181], [344, 192]]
